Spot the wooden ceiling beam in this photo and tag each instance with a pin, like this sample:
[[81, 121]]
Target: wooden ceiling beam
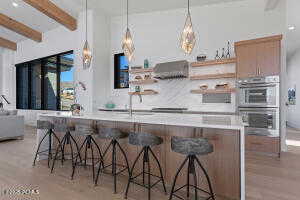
[[20, 28], [8, 44], [54, 12]]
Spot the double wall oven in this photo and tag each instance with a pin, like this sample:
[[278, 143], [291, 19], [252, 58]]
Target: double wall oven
[[258, 104]]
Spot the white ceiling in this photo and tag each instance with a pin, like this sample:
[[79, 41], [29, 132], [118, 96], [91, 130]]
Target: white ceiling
[[36, 20], [33, 18]]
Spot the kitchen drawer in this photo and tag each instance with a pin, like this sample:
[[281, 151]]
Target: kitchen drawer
[[263, 144]]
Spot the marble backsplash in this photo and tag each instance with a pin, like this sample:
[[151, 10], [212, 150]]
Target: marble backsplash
[[176, 92]]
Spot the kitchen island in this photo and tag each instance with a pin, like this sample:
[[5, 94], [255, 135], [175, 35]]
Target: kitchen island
[[225, 166]]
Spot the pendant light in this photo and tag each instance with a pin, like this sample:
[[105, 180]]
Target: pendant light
[[188, 38], [127, 43], [87, 53]]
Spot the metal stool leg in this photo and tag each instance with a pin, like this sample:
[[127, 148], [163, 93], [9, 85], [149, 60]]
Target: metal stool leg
[[77, 147], [131, 172], [207, 178], [188, 179], [149, 173], [125, 157], [93, 161], [63, 149], [176, 176], [75, 163], [50, 147], [195, 179], [39, 145], [160, 170], [101, 161], [99, 169], [57, 151], [99, 152], [114, 166]]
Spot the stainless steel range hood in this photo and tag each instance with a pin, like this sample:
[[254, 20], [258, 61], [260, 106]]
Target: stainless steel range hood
[[172, 70]]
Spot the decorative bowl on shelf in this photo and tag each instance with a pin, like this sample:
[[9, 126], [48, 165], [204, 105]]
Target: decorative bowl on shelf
[[222, 86], [203, 87], [110, 105]]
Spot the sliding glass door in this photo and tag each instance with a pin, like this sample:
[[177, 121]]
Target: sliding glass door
[[46, 83]]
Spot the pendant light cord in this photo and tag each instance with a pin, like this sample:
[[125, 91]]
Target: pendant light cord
[[127, 12], [189, 7], [86, 20]]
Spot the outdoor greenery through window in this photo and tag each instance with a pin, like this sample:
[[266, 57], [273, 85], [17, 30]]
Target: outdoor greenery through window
[[46, 83]]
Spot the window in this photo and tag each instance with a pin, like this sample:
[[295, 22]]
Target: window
[[121, 71], [46, 83]]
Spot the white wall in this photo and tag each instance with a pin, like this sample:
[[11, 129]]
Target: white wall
[[101, 69], [293, 71], [57, 41], [156, 37], [1, 72]]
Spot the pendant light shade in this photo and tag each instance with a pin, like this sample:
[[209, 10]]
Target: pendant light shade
[[87, 53], [188, 38], [127, 43]]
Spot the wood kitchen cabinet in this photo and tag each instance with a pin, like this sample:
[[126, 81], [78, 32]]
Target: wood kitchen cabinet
[[258, 57], [262, 144]]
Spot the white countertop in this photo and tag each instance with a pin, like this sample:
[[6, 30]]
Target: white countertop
[[233, 122]]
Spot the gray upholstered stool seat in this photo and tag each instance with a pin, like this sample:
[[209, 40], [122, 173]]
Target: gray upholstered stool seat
[[89, 143], [67, 139], [44, 124], [63, 128], [83, 129], [144, 139], [111, 133], [191, 146]]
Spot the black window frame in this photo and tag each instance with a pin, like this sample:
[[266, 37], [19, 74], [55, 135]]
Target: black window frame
[[43, 73], [117, 71]]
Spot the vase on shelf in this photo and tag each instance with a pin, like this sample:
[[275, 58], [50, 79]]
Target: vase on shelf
[[146, 63]]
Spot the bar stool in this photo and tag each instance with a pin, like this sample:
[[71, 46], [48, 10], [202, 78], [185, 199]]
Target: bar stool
[[88, 144], [113, 134], [145, 140], [68, 139], [46, 125], [191, 147]]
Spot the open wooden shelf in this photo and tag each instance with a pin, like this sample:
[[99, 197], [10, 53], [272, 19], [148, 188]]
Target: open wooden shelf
[[213, 76], [214, 91], [140, 71], [143, 93], [143, 82], [213, 62]]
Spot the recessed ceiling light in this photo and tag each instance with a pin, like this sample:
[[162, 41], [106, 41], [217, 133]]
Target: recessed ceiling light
[[291, 27], [15, 4]]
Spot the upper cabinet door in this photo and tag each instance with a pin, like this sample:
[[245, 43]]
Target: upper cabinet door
[[268, 58], [258, 57], [246, 61]]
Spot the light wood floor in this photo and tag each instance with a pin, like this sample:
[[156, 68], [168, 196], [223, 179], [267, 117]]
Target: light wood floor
[[267, 178]]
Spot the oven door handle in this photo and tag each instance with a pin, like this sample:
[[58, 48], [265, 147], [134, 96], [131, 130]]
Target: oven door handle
[[258, 85]]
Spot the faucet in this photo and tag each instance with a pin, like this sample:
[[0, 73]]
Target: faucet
[[130, 102]]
